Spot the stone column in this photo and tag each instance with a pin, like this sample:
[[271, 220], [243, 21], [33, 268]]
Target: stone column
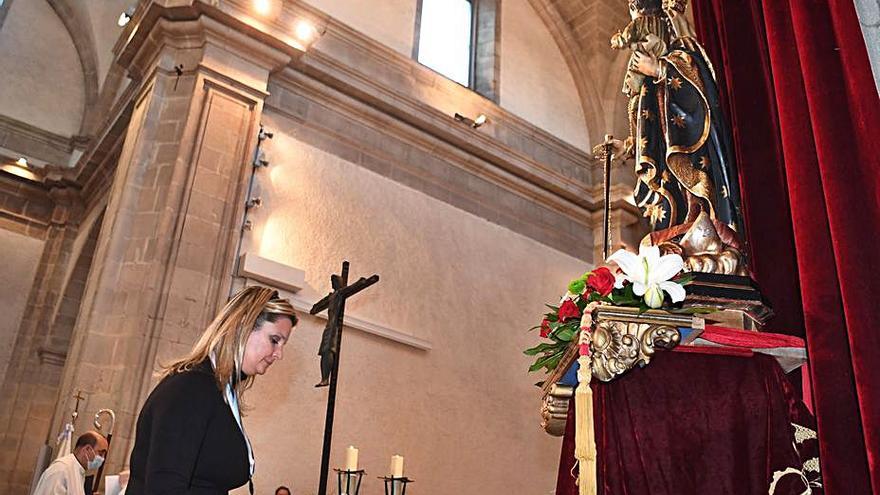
[[30, 386], [166, 250]]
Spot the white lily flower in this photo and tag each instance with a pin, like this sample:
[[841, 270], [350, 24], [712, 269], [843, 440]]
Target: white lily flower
[[650, 274]]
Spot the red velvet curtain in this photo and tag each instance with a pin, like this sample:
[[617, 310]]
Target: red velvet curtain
[[695, 423], [805, 112]]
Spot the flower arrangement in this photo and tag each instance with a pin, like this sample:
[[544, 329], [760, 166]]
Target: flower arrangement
[[645, 280]]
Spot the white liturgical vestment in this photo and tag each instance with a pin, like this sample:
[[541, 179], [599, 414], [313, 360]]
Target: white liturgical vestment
[[65, 476]]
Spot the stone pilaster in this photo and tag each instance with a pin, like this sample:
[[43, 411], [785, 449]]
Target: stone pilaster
[[165, 253]]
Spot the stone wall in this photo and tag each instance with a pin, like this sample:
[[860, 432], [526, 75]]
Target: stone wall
[[20, 255]]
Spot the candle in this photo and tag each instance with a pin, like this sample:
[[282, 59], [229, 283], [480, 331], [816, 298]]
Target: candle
[[351, 459], [397, 466]]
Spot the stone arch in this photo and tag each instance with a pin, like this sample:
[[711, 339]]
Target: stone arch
[[66, 310], [581, 29], [75, 20], [40, 72]]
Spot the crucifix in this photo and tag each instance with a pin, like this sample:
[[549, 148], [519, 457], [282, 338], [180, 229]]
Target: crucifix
[[78, 397], [331, 344], [608, 156]]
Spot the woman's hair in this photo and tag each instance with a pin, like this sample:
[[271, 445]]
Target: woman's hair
[[225, 338]]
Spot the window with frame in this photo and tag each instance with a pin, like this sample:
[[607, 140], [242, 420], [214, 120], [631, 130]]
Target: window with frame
[[457, 39], [446, 38]]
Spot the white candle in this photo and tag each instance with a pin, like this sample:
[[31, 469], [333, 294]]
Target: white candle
[[351, 459], [397, 466]]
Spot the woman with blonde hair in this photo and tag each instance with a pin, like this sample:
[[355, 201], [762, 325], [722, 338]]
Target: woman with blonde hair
[[190, 438]]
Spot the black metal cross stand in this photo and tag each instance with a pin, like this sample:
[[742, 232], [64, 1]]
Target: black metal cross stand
[[331, 344]]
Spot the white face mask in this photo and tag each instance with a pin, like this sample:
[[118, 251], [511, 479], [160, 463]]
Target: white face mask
[[96, 462]]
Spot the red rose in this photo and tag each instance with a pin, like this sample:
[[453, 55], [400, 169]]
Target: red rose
[[601, 280], [545, 327], [568, 310]]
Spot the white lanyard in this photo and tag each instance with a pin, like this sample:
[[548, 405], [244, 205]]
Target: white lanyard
[[232, 400]]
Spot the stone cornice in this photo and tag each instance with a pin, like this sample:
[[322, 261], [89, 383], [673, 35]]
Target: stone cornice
[[35, 142], [25, 201], [355, 64], [347, 56], [192, 24], [568, 180], [348, 62]]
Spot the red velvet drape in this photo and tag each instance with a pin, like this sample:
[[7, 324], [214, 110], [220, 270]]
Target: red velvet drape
[[805, 113], [695, 423]]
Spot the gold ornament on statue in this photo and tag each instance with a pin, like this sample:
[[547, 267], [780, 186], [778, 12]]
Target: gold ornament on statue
[[703, 249]]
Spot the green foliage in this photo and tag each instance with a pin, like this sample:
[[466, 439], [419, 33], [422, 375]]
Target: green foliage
[[577, 286], [540, 348]]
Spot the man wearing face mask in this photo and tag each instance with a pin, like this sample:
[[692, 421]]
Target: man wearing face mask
[[66, 475]]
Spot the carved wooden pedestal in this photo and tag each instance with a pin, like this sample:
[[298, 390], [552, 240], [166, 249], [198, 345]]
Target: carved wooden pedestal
[[621, 339]]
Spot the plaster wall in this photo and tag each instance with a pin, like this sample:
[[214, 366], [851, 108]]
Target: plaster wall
[[21, 255], [535, 81], [103, 16], [464, 413], [390, 22], [40, 74]]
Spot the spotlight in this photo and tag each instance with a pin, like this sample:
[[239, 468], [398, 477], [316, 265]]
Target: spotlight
[[261, 160], [269, 9], [22, 162], [305, 31], [474, 123], [264, 134], [125, 16]]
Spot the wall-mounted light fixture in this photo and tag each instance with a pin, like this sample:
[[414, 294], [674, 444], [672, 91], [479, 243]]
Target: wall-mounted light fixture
[[19, 167], [305, 34], [125, 16], [474, 123], [260, 160], [269, 9], [305, 31]]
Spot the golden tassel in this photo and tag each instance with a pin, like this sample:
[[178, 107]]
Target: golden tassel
[[584, 434]]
